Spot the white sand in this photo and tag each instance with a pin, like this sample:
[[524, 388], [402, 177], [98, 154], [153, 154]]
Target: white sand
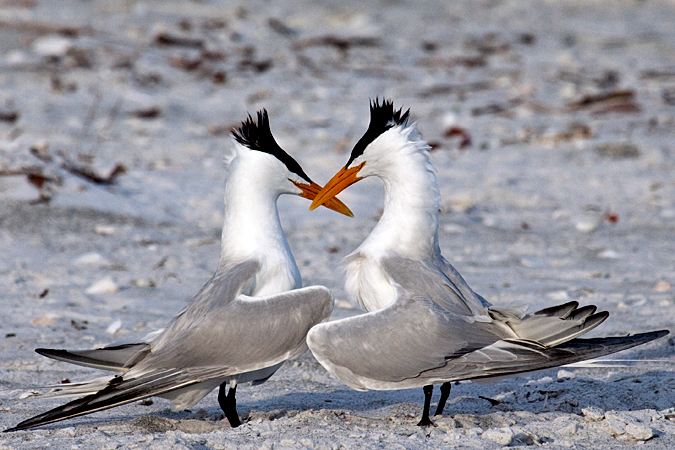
[[554, 199]]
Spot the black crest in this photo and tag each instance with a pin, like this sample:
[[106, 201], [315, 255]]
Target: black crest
[[259, 137], [382, 117]]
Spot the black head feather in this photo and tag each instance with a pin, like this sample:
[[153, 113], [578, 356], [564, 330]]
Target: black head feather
[[382, 117], [259, 137]]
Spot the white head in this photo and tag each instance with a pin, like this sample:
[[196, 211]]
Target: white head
[[383, 151], [259, 163]]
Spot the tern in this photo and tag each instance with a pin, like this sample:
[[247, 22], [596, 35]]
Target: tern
[[424, 325], [250, 317]]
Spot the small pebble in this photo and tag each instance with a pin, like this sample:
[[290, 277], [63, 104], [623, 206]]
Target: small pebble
[[103, 286], [586, 226], [614, 426], [105, 230], [344, 304], [565, 374], [558, 296], [639, 432], [608, 254], [91, 259], [114, 327], [570, 429], [544, 380], [662, 286], [54, 46], [70, 431], [501, 436], [593, 413]]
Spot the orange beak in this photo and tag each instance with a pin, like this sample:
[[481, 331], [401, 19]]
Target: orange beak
[[309, 191], [343, 179]]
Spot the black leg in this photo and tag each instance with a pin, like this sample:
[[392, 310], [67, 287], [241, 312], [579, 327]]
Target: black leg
[[445, 393], [426, 422], [228, 403]]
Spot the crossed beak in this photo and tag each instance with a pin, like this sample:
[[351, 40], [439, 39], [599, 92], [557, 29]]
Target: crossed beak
[[310, 191], [343, 179]]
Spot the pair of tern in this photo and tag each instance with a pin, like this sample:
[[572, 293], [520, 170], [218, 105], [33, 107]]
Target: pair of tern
[[424, 325]]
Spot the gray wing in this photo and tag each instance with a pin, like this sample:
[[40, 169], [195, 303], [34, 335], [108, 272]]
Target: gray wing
[[243, 335], [223, 287], [249, 333], [413, 342], [219, 291], [392, 348], [456, 278], [439, 282]]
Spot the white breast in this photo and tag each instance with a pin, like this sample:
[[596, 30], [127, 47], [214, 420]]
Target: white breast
[[367, 283]]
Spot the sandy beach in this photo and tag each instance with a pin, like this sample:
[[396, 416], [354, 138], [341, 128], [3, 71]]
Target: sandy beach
[[552, 127]]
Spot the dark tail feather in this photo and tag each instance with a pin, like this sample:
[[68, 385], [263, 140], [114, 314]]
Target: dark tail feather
[[562, 311], [114, 357], [118, 392], [568, 352]]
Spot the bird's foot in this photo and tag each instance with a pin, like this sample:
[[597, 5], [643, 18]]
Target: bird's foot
[[228, 404], [425, 423], [233, 418]]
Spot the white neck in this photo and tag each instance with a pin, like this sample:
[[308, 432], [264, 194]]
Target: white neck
[[409, 223], [252, 230]]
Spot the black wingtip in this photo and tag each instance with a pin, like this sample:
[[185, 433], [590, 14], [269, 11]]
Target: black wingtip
[[51, 352], [25, 425], [622, 342], [659, 333]]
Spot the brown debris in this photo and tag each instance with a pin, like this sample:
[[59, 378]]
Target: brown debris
[[657, 74], [89, 174], [527, 39], [45, 28], [460, 132], [489, 44], [668, 96], [281, 28], [219, 77], [621, 101], [341, 43], [469, 62], [37, 178], [429, 46], [611, 217], [168, 39], [9, 115], [257, 66], [618, 150], [57, 84], [444, 89], [219, 130], [79, 326], [495, 108], [151, 112], [575, 130], [185, 62]]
